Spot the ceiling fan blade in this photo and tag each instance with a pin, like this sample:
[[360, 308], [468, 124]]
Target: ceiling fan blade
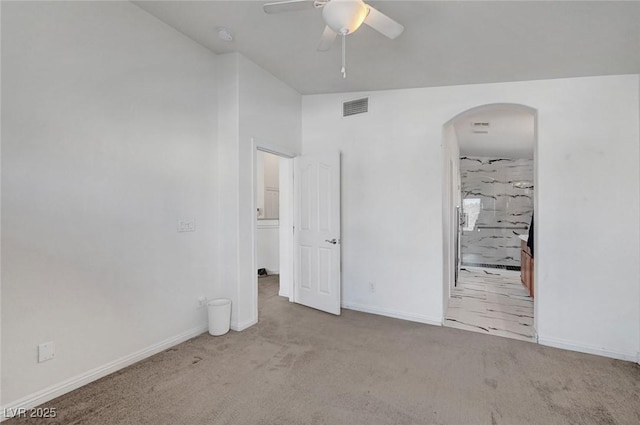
[[327, 39], [288, 6], [383, 24]]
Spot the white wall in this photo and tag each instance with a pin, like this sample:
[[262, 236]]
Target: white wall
[[268, 246], [285, 236], [587, 202], [268, 236], [108, 139], [227, 166], [268, 180], [260, 183], [271, 186], [254, 105], [1, 397], [271, 165]]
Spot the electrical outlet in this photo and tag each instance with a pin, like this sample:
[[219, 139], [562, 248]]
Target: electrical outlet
[[186, 225], [202, 302], [372, 287], [46, 351]]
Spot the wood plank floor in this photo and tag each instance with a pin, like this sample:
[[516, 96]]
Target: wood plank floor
[[491, 301]]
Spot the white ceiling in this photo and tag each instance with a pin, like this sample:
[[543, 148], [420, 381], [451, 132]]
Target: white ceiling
[[510, 133], [444, 43]]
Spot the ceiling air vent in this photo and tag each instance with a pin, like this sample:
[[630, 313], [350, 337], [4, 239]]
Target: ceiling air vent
[[353, 107], [479, 127]]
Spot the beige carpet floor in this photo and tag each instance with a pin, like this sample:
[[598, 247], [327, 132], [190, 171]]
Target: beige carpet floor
[[302, 366]]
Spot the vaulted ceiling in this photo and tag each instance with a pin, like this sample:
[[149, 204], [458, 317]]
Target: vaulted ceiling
[[444, 43]]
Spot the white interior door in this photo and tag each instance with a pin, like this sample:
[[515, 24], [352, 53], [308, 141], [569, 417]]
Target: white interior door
[[317, 231]]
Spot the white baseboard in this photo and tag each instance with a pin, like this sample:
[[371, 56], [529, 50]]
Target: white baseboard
[[574, 346], [392, 313], [56, 390], [238, 327]]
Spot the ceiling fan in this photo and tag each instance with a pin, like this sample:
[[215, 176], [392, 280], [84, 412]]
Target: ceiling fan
[[342, 17]]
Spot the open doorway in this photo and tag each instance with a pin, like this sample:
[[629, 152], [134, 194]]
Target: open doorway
[[315, 210], [489, 183], [273, 224], [268, 216]]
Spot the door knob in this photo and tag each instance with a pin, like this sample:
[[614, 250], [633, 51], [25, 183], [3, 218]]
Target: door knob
[[332, 241]]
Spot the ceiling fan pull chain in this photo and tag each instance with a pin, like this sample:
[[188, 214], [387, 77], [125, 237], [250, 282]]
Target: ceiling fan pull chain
[[344, 55]]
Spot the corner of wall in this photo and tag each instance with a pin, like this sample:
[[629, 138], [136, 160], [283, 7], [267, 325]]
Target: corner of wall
[[253, 105], [128, 154]]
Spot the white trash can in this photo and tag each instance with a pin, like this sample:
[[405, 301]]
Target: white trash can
[[219, 316]]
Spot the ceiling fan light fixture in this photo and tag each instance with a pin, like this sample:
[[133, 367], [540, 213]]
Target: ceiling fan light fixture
[[341, 17], [345, 16]]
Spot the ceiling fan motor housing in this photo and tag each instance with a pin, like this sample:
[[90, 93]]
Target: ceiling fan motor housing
[[345, 16]]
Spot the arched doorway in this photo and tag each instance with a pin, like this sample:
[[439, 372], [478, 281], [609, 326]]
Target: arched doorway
[[489, 167]]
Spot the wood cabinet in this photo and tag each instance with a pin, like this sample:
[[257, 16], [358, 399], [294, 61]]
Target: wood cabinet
[[526, 267]]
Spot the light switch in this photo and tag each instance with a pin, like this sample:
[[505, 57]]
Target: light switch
[[46, 351]]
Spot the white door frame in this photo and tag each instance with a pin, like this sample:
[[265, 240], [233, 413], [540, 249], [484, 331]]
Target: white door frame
[[286, 230]]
